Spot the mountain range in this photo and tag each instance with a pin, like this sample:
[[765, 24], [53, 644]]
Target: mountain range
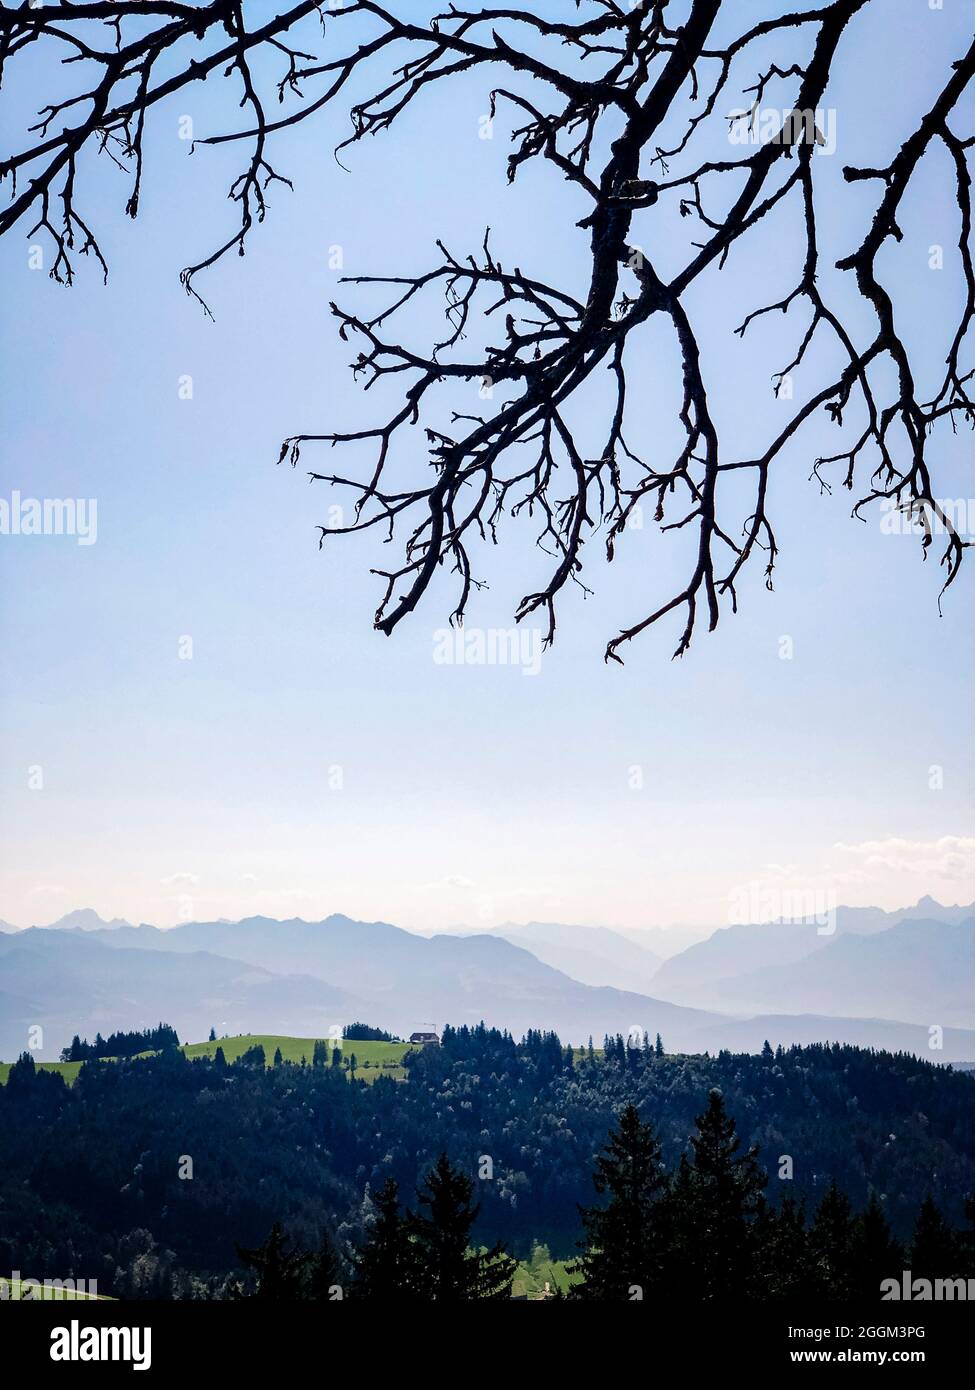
[[881, 979], [916, 964], [593, 955]]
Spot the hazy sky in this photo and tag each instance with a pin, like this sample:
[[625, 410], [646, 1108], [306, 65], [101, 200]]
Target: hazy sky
[[300, 763]]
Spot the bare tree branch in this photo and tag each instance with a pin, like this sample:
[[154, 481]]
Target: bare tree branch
[[593, 108]]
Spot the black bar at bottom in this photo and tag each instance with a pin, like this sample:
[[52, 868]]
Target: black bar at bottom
[[253, 1338]]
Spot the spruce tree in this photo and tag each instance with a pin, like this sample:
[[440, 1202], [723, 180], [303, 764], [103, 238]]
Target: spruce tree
[[934, 1245], [22, 1072], [448, 1270], [677, 1223], [832, 1246], [782, 1251], [281, 1267], [325, 1274], [710, 1211], [728, 1186], [621, 1251], [876, 1254], [385, 1266]]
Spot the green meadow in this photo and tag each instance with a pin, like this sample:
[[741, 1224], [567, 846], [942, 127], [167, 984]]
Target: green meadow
[[69, 1070], [372, 1059]]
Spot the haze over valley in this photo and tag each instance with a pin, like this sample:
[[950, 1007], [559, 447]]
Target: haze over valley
[[902, 980]]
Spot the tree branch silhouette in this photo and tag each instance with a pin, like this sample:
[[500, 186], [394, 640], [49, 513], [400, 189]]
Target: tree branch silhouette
[[593, 107]]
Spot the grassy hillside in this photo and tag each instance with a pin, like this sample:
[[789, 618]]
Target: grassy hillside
[[69, 1070], [372, 1058]]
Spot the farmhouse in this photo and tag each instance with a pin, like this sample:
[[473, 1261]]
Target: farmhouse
[[427, 1039]]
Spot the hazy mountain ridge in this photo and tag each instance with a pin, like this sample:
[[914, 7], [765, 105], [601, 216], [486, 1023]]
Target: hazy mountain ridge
[[71, 984], [900, 964], [739, 949], [658, 943], [410, 980], [918, 970], [86, 919], [862, 963], [302, 978], [592, 955]]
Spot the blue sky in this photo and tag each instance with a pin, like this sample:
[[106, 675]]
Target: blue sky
[[301, 763]]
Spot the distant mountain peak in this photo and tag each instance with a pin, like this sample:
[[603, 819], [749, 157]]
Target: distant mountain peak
[[86, 919]]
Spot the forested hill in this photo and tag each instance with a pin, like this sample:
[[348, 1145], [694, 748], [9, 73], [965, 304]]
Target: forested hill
[[90, 1175]]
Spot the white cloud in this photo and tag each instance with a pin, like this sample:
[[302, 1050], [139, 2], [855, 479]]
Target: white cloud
[[950, 857], [893, 872]]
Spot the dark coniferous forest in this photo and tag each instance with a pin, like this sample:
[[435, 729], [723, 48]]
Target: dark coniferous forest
[[816, 1170]]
